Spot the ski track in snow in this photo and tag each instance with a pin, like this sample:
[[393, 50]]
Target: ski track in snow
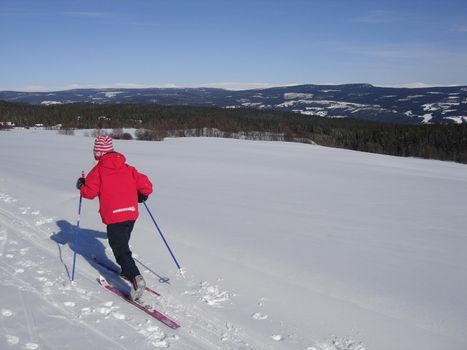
[[44, 283], [29, 261]]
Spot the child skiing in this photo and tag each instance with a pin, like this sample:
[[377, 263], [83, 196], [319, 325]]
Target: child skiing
[[120, 188]]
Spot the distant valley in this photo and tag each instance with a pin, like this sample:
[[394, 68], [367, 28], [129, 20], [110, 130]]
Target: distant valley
[[434, 105]]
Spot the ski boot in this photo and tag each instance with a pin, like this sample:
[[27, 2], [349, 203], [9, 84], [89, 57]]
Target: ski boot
[[138, 283]]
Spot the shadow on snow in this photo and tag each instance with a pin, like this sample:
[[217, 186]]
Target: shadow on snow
[[91, 248]]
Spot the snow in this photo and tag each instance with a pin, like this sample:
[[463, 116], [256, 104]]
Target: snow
[[426, 118], [49, 103], [252, 104], [314, 113], [329, 104], [110, 94], [296, 102], [295, 95], [439, 105], [458, 120], [411, 97], [287, 246]]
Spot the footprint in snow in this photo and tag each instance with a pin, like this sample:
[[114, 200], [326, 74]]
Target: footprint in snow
[[6, 198], [31, 346], [23, 251], [155, 336], [12, 339], [7, 313], [119, 316], [103, 310], [213, 296], [259, 316], [24, 210], [86, 311], [277, 337]]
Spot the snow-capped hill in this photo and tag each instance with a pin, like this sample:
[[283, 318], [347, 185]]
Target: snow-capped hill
[[361, 101]]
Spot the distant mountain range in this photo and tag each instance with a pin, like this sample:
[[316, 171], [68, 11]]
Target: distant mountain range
[[437, 105]]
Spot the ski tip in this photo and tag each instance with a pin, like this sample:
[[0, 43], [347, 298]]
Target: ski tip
[[173, 325]]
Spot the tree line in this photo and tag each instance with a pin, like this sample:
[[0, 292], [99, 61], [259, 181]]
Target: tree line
[[154, 122]]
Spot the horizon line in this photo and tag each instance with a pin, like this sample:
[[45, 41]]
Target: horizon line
[[233, 86]]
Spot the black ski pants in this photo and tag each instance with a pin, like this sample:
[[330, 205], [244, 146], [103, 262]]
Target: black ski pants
[[119, 237]]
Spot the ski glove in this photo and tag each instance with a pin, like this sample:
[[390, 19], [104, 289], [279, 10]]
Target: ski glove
[[141, 197], [80, 182]]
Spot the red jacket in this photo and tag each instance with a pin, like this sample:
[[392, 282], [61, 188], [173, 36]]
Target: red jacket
[[117, 184]]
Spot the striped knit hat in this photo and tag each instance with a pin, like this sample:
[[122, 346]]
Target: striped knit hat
[[102, 145]]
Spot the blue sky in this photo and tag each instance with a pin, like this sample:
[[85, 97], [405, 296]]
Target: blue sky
[[47, 44]]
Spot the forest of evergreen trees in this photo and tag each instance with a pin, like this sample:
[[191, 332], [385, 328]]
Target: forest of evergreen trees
[[444, 142]]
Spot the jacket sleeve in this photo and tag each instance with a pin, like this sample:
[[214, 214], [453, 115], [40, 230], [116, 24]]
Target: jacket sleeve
[[92, 184], [143, 184]]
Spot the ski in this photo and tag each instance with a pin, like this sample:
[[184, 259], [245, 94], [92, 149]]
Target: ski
[[117, 272], [149, 309]]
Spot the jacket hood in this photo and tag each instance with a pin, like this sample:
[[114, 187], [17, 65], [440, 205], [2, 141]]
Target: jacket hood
[[112, 160]]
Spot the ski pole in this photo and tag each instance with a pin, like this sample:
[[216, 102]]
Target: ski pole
[[165, 241], [75, 243]]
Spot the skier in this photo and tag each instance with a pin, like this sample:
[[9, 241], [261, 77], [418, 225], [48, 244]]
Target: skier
[[120, 188]]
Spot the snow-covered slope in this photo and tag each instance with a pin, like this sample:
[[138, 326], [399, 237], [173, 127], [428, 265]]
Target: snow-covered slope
[[287, 246]]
